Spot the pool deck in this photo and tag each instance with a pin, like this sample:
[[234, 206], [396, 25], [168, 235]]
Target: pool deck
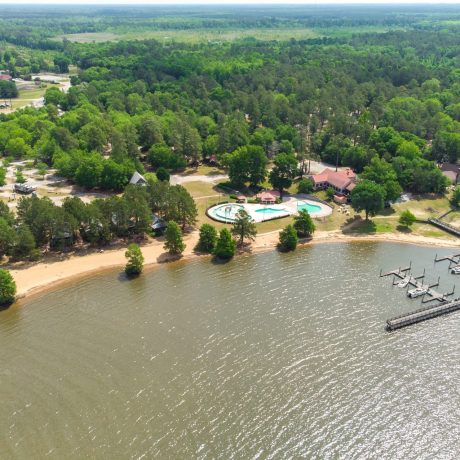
[[288, 207]]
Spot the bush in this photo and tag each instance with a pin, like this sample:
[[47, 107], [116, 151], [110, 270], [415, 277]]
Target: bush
[[226, 245], [135, 262], [174, 243], [7, 288], [162, 175], [288, 238], [305, 186], [407, 219], [330, 192], [208, 238], [233, 197]]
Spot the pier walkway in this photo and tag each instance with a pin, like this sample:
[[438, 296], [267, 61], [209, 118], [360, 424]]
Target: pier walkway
[[422, 315]]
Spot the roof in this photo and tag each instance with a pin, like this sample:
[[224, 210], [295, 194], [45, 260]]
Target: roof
[[273, 193], [351, 186], [339, 179], [137, 178], [451, 175], [5, 77], [266, 196], [450, 167]]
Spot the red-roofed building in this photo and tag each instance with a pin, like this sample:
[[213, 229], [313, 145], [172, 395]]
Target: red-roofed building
[[268, 196], [342, 181], [5, 77]]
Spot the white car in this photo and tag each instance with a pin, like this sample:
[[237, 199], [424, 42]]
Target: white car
[[455, 270]]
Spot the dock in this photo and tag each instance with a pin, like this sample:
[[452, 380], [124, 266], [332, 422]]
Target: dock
[[444, 226], [423, 314], [454, 260], [429, 295]]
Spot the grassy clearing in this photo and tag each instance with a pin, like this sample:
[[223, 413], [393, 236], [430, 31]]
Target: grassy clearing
[[202, 170], [202, 189], [26, 97]]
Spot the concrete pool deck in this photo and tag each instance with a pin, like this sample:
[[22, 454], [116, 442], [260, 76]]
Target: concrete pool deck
[[226, 212]]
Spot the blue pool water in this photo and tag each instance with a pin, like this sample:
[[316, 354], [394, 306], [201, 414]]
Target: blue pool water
[[311, 208], [270, 210]]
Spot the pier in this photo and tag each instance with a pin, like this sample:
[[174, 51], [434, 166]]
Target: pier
[[444, 226], [422, 315], [454, 260], [428, 294]]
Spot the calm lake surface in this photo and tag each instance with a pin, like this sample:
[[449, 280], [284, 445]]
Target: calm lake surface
[[270, 356]]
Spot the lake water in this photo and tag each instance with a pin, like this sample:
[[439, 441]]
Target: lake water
[[269, 356]]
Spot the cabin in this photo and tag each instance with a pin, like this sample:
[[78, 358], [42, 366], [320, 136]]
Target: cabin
[[138, 179], [5, 77], [343, 181], [451, 171], [158, 225]]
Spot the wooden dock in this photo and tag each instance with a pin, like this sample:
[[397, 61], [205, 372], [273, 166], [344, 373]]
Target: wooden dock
[[444, 306], [444, 226], [422, 315]]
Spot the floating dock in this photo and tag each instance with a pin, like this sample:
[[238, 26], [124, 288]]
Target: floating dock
[[422, 315]]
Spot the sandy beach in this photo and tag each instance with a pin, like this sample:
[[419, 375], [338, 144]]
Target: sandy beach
[[32, 279]]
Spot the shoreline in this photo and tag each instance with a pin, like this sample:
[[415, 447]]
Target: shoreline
[[46, 276]]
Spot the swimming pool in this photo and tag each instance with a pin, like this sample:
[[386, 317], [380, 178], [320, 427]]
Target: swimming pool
[[227, 212], [310, 208], [271, 210]]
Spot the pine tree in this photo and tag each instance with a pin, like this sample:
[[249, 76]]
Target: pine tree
[[244, 227], [288, 238], [7, 288], [226, 245], [174, 243], [135, 263], [208, 238]]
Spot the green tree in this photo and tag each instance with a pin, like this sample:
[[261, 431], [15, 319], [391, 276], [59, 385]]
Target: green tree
[[288, 238], [246, 164], [283, 172], [226, 245], [305, 186], [7, 238], [243, 227], [2, 176], [42, 169], [25, 243], [407, 219], [303, 224], [369, 197], [162, 175], [174, 243], [135, 260], [7, 288], [455, 198], [330, 192], [208, 238]]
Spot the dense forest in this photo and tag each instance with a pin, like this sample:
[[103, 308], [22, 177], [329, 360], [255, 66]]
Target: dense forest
[[385, 104]]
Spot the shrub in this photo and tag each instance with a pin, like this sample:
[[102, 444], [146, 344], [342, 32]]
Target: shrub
[[330, 192], [305, 186], [135, 262], [208, 238], [226, 245], [288, 238], [7, 288], [407, 219], [233, 197]]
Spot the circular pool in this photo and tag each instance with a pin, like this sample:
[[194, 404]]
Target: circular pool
[[225, 212]]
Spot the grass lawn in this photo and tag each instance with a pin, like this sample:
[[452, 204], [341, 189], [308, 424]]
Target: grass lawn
[[200, 189], [25, 97], [202, 170]]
